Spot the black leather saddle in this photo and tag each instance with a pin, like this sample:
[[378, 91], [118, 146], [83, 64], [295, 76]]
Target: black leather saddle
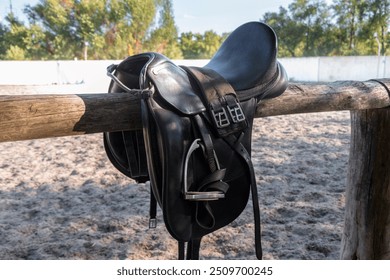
[[196, 140]]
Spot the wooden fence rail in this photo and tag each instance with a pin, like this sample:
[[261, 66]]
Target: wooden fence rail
[[26, 117], [367, 218]]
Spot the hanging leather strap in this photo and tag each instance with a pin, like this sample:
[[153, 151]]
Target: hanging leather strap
[[208, 143], [236, 144], [152, 210], [193, 248], [189, 250], [181, 255]]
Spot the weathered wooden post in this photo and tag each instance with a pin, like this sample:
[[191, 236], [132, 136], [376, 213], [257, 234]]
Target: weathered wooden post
[[367, 217]]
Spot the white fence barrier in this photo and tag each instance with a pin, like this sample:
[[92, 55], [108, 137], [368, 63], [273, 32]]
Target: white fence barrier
[[93, 73], [330, 69]]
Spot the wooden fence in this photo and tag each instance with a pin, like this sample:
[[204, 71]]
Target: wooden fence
[[367, 217]]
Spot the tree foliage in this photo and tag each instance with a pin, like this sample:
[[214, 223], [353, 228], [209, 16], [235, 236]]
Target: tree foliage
[[200, 46], [347, 27], [67, 29], [114, 29], [165, 38]]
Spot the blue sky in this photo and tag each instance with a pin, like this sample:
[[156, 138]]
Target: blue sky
[[196, 16], [222, 15]]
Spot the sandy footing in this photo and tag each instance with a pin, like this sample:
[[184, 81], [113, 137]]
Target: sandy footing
[[61, 198]]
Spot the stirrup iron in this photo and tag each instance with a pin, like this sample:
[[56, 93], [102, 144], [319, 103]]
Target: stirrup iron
[[198, 196]]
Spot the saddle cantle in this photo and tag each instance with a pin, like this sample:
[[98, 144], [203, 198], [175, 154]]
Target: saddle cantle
[[196, 139]]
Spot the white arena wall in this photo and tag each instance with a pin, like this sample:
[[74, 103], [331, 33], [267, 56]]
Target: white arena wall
[[93, 73], [330, 69]]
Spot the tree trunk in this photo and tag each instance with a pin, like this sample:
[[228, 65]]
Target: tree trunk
[[367, 217]]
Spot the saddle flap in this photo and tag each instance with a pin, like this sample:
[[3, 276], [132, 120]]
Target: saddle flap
[[174, 86]]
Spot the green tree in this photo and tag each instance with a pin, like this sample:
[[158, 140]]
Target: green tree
[[19, 41], [378, 21], [55, 17], [312, 18], [3, 43], [347, 27], [114, 29], [164, 38], [304, 29], [289, 32], [211, 42], [200, 46], [350, 17], [14, 39], [190, 45], [102, 29], [136, 24]]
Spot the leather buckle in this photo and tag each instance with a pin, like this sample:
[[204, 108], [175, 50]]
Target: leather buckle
[[236, 113], [220, 118], [152, 223]]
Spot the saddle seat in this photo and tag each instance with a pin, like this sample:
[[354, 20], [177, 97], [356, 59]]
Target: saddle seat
[[247, 60]]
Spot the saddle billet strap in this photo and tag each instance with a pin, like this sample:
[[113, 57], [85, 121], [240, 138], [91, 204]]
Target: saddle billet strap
[[224, 109]]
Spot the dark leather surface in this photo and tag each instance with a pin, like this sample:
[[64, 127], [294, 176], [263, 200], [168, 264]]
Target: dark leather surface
[[247, 60], [173, 85], [178, 111]]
